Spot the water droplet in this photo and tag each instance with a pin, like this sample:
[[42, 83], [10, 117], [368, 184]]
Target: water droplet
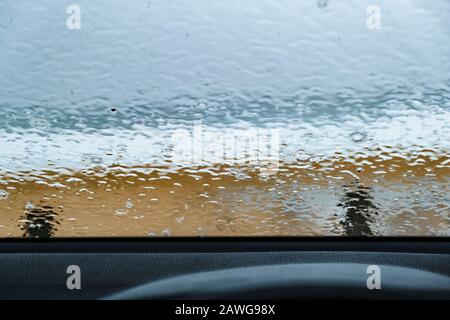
[[3, 194], [121, 212], [91, 158], [358, 136], [29, 205], [39, 123], [129, 204], [179, 219], [303, 156], [96, 160]]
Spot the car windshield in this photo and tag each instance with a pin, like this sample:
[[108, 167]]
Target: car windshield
[[224, 118]]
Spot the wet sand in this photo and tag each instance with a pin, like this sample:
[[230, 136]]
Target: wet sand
[[387, 194]]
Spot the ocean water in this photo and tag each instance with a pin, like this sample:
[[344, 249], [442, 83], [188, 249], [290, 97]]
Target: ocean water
[[224, 118]]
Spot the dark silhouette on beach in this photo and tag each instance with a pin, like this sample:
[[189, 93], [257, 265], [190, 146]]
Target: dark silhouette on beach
[[359, 209], [40, 222]]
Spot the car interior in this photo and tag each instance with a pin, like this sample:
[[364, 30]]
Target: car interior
[[240, 269], [224, 150]]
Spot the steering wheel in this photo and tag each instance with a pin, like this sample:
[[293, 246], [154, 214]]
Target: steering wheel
[[296, 281]]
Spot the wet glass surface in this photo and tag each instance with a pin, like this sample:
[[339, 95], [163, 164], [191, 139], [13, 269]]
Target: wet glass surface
[[224, 118]]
